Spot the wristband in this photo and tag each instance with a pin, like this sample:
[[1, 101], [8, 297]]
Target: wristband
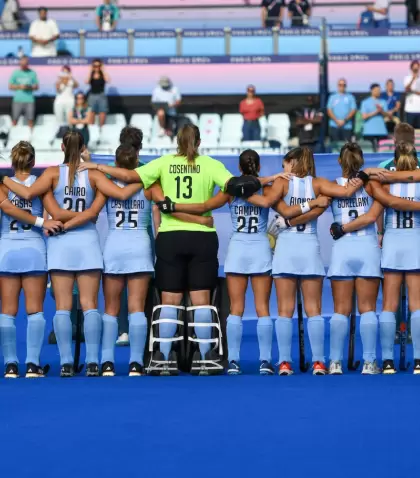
[[39, 222], [363, 176], [305, 208]]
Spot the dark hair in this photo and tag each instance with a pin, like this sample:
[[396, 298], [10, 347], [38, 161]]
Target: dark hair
[[404, 132], [414, 62], [304, 161], [390, 80], [126, 156], [40, 9], [97, 60], [351, 159], [73, 145], [405, 157], [374, 85], [133, 136], [80, 93], [23, 156], [188, 139], [249, 161]]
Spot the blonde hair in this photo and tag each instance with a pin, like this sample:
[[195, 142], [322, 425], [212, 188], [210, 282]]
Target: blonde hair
[[188, 139], [405, 157], [351, 159], [304, 163], [23, 156], [73, 146]]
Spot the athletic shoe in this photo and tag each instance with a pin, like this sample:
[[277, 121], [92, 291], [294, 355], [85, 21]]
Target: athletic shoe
[[135, 370], [36, 371], [416, 370], [266, 368], [234, 368], [108, 369], [285, 369], [12, 370], [388, 367], [123, 340], [370, 368], [92, 370], [319, 368], [335, 368], [67, 370]]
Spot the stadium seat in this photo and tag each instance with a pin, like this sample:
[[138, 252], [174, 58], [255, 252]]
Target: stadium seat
[[144, 122], [263, 125], [18, 133], [94, 135], [5, 123], [42, 120], [109, 136], [162, 142], [48, 158], [117, 120], [278, 129], [192, 117], [231, 130], [366, 146], [209, 125], [43, 135], [252, 145]]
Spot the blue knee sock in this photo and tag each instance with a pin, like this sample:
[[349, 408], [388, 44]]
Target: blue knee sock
[[93, 332], [316, 332], [203, 316], [167, 330], [109, 337], [234, 337], [265, 337], [284, 332], [8, 338], [387, 330], [338, 333], [34, 337], [63, 333], [137, 330], [415, 333], [368, 334]]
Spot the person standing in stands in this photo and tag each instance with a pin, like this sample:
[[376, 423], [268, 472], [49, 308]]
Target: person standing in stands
[[272, 13], [23, 82], [393, 100], [64, 100], [80, 116], [374, 113], [341, 109], [308, 124], [412, 99], [380, 10], [299, 13], [107, 16], [98, 102], [165, 100], [252, 109], [43, 33]]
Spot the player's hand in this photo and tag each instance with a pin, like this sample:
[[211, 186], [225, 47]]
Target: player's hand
[[380, 240], [167, 206], [322, 201], [281, 223], [336, 230], [85, 155], [286, 176], [86, 165], [52, 227], [340, 123], [380, 174], [207, 221]]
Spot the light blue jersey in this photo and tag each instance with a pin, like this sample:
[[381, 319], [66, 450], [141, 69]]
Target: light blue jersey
[[403, 220], [247, 218], [300, 192], [133, 214], [13, 229], [346, 210], [77, 197]]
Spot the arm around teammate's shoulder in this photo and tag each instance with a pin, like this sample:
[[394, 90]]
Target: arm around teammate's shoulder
[[43, 184], [110, 189], [382, 195], [330, 189], [121, 174]]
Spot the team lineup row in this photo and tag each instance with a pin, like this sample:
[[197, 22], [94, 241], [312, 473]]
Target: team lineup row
[[186, 254]]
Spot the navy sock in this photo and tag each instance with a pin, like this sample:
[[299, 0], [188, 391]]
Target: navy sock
[[109, 337], [8, 338], [63, 333], [203, 316], [234, 337], [316, 332], [93, 332], [167, 330], [265, 337], [284, 333], [137, 324], [34, 337], [338, 333], [415, 333], [387, 330], [368, 334]]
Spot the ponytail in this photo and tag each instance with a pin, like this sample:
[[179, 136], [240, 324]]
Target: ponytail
[[303, 161], [73, 143], [23, 156], [351, 159], [249, 162], [188, 139], [406, 157]]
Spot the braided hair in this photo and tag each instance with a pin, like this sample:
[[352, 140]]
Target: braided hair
[[249, 162]]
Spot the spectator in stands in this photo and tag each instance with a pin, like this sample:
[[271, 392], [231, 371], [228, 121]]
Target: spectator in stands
[[380, 10], [23, 82], [393, 101], [165, 100], [80, 116], [64, 100], [107, 16], [98, 102], [10, 18], [413, 7], [308, 124], [43, 33], [412, 99], [374, 113], [272, 13], [341, 109], [299, 12], [252, 109]]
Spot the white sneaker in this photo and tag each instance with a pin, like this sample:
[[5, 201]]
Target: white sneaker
[[123, 340], [335, 368], [370, 368]]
